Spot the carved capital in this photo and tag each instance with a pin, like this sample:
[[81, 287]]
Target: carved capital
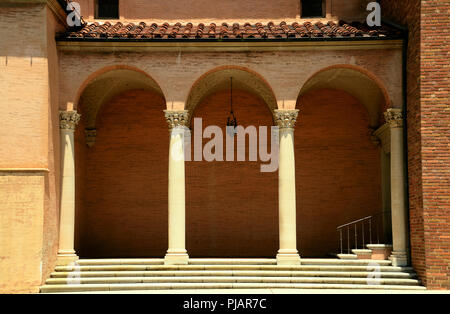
[[177, 118], [68, 120], [90, 135], [285, 119], [394, 117]]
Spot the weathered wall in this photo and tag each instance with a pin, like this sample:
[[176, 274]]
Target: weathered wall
[[284, 71], [24, 87], [21, 223], [28, 107], [337, 169], [53, 182], [428, 133], [221, 11]]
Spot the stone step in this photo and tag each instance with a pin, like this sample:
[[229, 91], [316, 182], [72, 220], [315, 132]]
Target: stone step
[[120, 261], [317, 267], [250, 273], [192, 261], [224, 261], [347, 262], [179, 286], [232, 261], [230, 279], [347, 256]]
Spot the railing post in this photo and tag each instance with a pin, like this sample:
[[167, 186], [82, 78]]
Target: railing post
[[348, 239], [363, 240]]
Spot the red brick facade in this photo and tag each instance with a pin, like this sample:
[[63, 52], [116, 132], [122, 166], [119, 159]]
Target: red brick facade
[[428, 98], [120, 175], [337, 169], [43, 74]]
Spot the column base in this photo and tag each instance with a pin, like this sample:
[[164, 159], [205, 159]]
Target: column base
[[66, 258], [399, 259], [176, 258], [288, 258]]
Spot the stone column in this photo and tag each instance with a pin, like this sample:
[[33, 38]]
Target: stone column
[[399, 257], [177, 254], [287, 254], [66, 252]]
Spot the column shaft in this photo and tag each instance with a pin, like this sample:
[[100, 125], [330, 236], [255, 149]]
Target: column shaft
[[287, 254], [399, 255], [66, 251], [176, 253]]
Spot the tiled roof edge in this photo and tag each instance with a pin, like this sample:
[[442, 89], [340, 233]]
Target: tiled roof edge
[[142, 31]]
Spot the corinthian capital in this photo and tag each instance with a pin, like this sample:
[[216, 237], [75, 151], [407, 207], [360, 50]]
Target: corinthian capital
[[285, 119], [394, 117], [68, 120], [177, 118]]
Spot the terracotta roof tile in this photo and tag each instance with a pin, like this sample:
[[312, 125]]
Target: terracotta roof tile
[[236, 31]]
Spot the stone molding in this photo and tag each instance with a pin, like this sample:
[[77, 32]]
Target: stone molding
[[383, 137], [90, 136], [286, 119], [394, 117], [68, 120], [177, 118]]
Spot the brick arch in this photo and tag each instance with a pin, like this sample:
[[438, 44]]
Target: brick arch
[[103, 85], [356, 81], [217, 80], [104, 70]]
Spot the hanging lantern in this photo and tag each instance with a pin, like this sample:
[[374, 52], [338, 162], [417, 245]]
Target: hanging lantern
[[231, 121]]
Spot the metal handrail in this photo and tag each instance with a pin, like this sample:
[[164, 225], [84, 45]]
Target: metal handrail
[[354, 222], [359, 222]]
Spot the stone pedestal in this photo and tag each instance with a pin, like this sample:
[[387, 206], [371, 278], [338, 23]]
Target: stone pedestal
[[362, 253], [380, 251]]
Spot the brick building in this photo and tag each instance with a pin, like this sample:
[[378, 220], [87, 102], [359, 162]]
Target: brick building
[[85, 169]]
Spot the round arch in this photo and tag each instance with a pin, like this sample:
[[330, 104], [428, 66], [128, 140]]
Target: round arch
[[218, 79], [103, 85], [121, 146], [356, 81]]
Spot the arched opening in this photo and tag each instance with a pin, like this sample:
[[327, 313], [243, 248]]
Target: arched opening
[[338, 163], [121, 149], [231, 206]]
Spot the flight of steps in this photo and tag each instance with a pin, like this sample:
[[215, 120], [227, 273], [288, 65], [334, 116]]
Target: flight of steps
[[151, 274]]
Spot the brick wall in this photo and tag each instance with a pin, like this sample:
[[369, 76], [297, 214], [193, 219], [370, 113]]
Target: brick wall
[[428, 134], [124, 184], [220, 11], [337, 169], [231, 207], [435, 128], [28, 139]]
